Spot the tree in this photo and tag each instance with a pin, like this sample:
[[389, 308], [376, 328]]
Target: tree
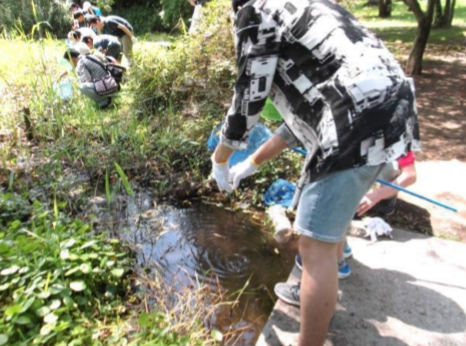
[[444, 18], [385, 8], [424, 24]]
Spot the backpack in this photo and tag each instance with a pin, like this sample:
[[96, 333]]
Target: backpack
[[111, 82]]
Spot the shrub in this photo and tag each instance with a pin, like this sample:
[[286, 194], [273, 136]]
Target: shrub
[[198, 69], [25, 14]]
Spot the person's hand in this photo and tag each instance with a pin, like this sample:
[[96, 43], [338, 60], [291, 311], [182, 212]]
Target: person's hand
[[221, 174], [134, 39], [367, 203], [242, 170]]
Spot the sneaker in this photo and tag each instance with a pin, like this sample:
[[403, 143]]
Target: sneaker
[[288, 293], [298, 262], [347, 251], [344, 270]]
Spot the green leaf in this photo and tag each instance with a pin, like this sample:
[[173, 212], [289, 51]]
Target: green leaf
[[65, 254], [28, 304], [55, 304], [46, 329], [85, 268], [23, 320], [8, 271], [45, 310], [44, 295], [67, 301], [118, 272], [50, 318], [110, 263], [78, 286], [68, 243], [72, 271], [3, 339], [4, 287], [13, 310], [124, 179], [217, 335], [184, 341], [88, 244]]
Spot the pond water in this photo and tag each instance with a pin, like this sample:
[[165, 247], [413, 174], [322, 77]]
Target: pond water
[[211, 245]]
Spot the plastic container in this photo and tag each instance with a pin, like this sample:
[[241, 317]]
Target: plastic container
[[64, 89], [258, 136], [281, 192]]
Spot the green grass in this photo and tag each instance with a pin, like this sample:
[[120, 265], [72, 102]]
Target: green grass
[[401, 26]]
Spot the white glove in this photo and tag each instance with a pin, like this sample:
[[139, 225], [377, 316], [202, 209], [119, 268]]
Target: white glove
[[242, 170], [221, 174], [134, 39]]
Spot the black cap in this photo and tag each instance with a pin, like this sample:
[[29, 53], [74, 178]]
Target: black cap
[[86, 39], [92, 19], [78, 14], [71, 53], [74, 5]]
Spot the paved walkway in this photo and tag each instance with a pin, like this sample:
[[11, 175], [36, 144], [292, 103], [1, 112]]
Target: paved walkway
[[410, 291]]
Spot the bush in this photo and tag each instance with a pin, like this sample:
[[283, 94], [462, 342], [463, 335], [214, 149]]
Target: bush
[[200, 69], [143, 18], [174, 10], [25, 14]]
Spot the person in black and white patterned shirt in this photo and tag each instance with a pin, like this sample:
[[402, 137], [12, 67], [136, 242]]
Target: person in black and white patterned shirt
[[342, 95]]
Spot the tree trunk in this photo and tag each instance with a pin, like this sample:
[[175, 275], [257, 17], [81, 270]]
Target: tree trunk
[[424, 24], [385, 8], [448, 20], [438, 22]]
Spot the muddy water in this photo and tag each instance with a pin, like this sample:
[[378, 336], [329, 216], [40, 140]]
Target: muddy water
[[213, 245]]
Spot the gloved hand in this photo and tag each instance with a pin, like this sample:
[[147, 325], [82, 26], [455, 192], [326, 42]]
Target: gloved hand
[[134, 39], [242, 170], [221, 174]]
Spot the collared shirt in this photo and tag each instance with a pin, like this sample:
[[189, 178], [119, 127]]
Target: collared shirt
[[111, 25], [340, 91]]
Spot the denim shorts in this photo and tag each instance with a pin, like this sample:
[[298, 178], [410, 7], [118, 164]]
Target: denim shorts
[[327, 206]]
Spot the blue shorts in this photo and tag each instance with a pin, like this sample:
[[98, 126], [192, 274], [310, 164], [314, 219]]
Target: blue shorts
[[327, 206]]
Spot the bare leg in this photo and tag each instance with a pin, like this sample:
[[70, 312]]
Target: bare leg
[[340, 248], [319, 289]]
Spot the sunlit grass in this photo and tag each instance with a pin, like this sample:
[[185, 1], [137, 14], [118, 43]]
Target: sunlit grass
[[401, 26]]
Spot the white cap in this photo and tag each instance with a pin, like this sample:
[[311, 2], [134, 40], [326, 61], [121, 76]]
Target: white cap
[[82, 48], [86, 5]]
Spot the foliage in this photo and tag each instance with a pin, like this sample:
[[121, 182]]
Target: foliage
[[144, 18], [164, 15], [195, 69], [25, 14], [57, 279], [174, 10]]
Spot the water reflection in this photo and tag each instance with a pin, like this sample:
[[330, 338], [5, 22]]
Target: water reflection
[[214, 246]]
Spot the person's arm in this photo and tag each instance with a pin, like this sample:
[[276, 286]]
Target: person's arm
[[83, 72], [125, 30], [257, 61], [407, 177], [192, 2]]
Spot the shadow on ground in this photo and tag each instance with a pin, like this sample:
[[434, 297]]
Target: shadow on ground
[[398, 297]]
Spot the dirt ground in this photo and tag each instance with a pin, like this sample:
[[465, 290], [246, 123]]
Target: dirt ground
[[441, 166]]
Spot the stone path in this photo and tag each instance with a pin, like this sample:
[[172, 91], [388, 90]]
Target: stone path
[[410, 291]]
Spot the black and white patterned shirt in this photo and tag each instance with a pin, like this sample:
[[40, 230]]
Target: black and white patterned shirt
[[339, 90]]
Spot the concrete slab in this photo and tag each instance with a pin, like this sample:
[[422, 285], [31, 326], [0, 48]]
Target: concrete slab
[[410, 291]]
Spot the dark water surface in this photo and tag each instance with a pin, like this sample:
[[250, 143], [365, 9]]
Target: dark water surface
[[212, 245]]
